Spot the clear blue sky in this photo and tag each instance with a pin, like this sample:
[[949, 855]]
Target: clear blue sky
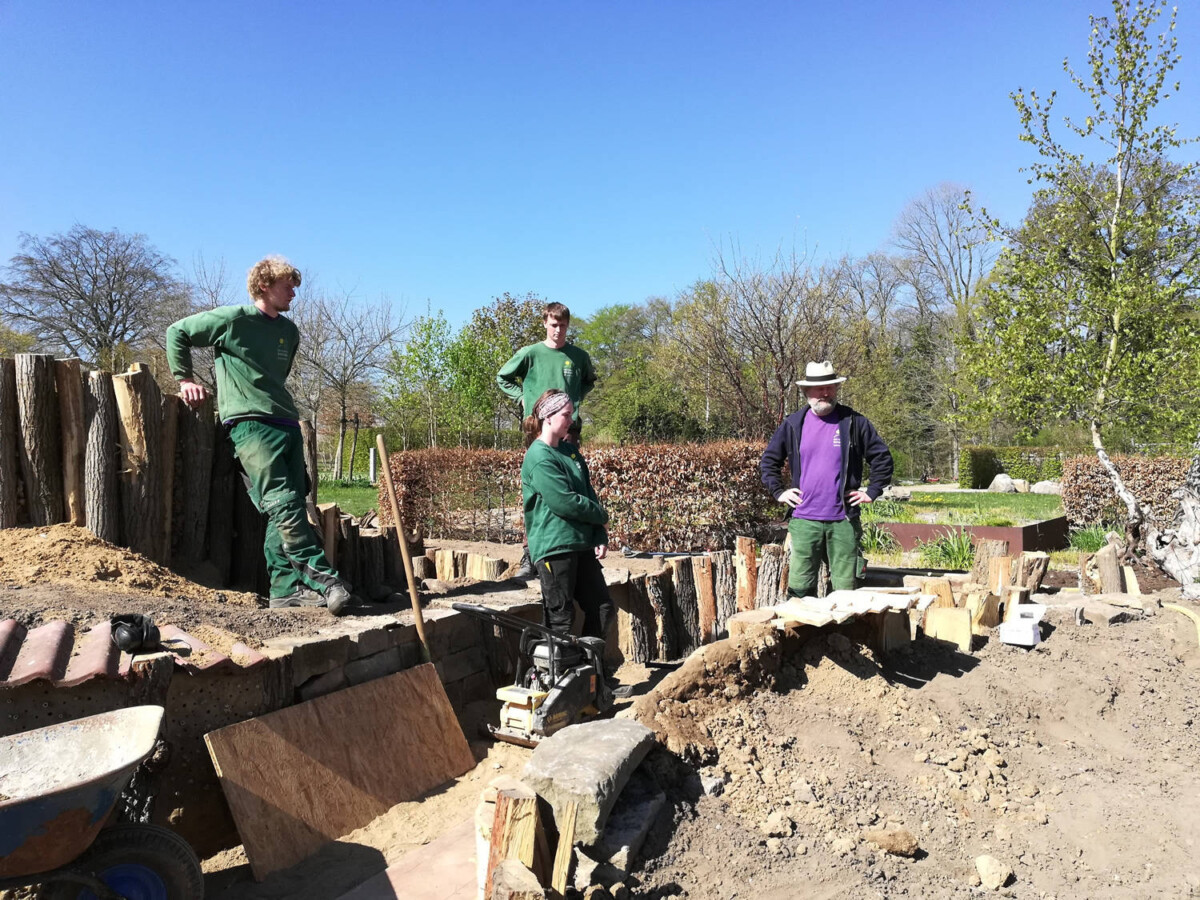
[[591, 152]]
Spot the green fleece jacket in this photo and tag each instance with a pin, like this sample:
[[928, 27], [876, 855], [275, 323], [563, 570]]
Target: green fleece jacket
[[562, 513], [254, 355], [535, 369]]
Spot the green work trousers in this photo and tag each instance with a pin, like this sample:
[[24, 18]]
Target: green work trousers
[[835, 542], [272, 458]]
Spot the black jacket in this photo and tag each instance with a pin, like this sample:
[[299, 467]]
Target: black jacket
[[860, 441]]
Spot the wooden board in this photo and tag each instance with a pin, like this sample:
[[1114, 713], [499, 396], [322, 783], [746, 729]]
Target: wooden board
[[939, 588], [798, 611], [303, 776], [953, 625]]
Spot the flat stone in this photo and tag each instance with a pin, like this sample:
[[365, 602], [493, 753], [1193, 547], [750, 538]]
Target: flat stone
[[627, 827], [1021, 485], [993, 874], [898, 841], [590, 764], [1099, 613], [369, 668]]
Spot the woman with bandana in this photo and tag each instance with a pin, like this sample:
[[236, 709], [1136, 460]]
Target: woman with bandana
[[564, 522]]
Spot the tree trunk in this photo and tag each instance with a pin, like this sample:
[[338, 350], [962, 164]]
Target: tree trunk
[[706, 598], [1135, 514], [685, 611], [772, 576], [170, 433], [643, 625], [102, 491], [69, 383], [724, 587], [1031, 569], [308, 435], [41, 459], [985, 550], [1177, 549], [10, 512], [746, 564], [219, 531], [353, 447], [139, 406], [197, 439], [371, 543]]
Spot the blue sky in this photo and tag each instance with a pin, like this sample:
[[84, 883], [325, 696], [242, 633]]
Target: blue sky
[[591, 152]]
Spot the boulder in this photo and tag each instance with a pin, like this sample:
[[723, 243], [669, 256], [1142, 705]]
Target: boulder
[[1002, 484], [1021, 485], [1046, 487]]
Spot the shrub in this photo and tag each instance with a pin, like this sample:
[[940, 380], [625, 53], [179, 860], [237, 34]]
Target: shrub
[[1088, 497], [978, 465], [877, 539], [952, 550], [1089, 538]]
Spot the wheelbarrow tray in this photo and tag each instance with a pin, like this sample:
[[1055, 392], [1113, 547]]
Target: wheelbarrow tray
[[59, 783]]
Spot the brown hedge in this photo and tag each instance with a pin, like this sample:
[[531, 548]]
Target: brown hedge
[[659, 497], [1087, 492]]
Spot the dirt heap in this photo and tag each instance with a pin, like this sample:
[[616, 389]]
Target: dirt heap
[[1072, 763]]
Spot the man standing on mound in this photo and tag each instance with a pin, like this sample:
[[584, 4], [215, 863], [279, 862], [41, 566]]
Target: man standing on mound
[[254, 348], [552, 364], [825, 445]]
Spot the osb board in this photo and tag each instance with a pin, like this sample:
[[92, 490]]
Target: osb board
[[303, 776]]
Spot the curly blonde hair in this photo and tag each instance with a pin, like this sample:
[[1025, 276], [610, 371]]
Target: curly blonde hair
[[266, 272]]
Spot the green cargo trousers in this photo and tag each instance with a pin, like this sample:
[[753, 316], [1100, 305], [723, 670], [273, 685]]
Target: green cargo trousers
[[812, 542], [272, 456]]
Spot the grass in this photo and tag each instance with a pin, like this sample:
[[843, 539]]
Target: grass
[[353, 497], [963, 508], [952, 550], [1090, 538]]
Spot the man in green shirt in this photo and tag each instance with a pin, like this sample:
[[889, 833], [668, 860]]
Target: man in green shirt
[[552, 364], [254, 347]]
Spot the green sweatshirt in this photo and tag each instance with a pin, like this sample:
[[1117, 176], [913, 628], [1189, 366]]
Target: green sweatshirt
[[535, 369], [562, 513], [254, 355]]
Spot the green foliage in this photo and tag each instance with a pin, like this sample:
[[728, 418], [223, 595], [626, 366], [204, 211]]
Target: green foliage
[[952, 550], [877, 540], [1090, 538], [13, 342], [886, 511], [977, 466]]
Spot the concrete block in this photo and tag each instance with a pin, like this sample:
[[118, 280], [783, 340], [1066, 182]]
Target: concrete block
[[372, 641], [320, 685], [460, 665], [314, 656], [368, 668], [590, 764]]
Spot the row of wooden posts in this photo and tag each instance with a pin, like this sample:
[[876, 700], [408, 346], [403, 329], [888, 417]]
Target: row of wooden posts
[[142, 470]]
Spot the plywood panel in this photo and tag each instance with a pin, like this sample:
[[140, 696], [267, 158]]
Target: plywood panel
[[303, 776]]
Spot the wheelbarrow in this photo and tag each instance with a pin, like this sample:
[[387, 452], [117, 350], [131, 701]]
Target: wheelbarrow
[[58, 785]]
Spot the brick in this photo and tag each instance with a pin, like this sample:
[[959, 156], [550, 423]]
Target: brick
[[320, 685], [376, 666], [314, 656]]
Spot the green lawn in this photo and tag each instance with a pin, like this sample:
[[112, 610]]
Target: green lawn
[[966, 508], [354, 498]]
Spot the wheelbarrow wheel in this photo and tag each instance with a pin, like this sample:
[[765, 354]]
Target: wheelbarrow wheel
[[140, 862]]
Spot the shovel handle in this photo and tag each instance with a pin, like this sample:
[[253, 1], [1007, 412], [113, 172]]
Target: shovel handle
[[408, 567]]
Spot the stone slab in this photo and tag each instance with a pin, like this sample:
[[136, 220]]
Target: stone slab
[[443, 869], [590, 764], [610, 859]]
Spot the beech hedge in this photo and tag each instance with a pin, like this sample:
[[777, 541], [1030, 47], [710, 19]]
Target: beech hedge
[[1087, 492], [658, 497], [978, 465]]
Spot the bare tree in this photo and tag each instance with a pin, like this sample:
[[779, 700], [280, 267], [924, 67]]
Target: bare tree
[[343, 343], [98, 295]]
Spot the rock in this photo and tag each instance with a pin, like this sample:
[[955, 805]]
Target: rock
[[1046, 487], [590, 764], [842, 846], [774, 844], [802, 791], [1002, 484], [895, 492], [1021, 485], [993, 759], [627, 827], [801, 849], [712, 785], [897, 841], [993, 874], [778, 824], [1099, 613]]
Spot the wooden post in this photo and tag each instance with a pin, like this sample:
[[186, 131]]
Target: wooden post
[[371, 547], [643, 635], [984, 551], [308, 435], [197, 441], [347, 551], [102, 492], [329, 530], [40, 451], [1031, 569], [658, 592], [746, 564], [398, 521], [69, 384], [772, 576], [999, 574], [9, 465], [724, 587], [706, 598], [685, 614], [563, 855], [139, 407], [514, 830], [170, 430], [219, 531]]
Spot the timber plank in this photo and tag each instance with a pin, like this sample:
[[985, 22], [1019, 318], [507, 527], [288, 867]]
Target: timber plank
[[305, 775], [953, 625]]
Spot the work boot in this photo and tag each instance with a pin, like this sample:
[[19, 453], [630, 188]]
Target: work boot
[[302, 597], [337, 598], [525, 566]]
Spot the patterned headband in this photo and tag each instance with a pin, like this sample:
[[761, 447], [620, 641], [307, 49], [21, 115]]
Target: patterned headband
[[548, 406]]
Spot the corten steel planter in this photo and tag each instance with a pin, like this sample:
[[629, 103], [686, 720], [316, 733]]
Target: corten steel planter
[[1049, 534]]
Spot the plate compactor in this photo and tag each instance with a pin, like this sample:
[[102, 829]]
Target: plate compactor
[[560, 679]]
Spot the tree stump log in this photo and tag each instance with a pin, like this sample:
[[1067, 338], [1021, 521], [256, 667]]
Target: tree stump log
[[643, 636], [101, 487], [706, 598], [218, 536], [985, 550], [772, 576], [1031, 569], [69, 384], [170, 462], [40, 445], [371, 544], [724, 588], [347, 552], [308, 435], [685, 611], [139, 422], [658, 592], [746, 566], [197, 440], [10, 466]]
